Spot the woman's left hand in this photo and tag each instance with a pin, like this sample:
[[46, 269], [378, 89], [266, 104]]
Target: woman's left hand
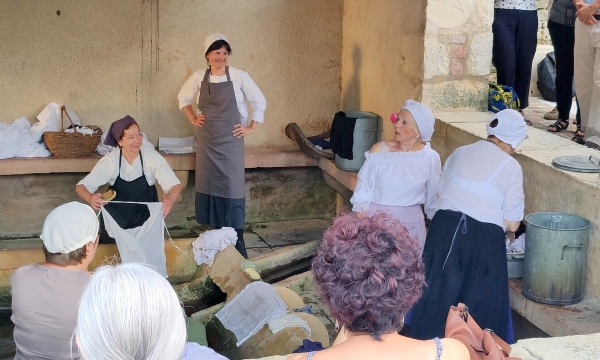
[[240, 130]]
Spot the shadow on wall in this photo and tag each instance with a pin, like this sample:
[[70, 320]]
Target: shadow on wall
[[351, 98]]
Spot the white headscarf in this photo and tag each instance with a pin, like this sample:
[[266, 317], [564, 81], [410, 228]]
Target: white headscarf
[[210, 39], [511, 127], [69, 227], [423, 117]]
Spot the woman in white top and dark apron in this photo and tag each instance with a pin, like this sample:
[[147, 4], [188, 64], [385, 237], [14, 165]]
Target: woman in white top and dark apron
[[131, 170], [480, 197], [222, 122]]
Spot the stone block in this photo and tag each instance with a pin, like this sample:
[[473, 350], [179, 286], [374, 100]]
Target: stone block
[[449, 14], [456, 94], [435, 61], [458, 52], [263, 343], [457, 68], [458, 38], [485, 14], [226, 272], [479, 59]]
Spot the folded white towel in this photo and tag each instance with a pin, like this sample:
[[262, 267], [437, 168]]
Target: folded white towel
[[288, 320], [251, 309]]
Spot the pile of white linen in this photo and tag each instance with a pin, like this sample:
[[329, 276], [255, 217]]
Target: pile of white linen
[[20, 139], [209, 243], [17, 140]]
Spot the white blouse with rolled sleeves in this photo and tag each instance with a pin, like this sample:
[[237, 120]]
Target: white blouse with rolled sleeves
[[483, 182], [398, 179], [243, 86], [156, 169]]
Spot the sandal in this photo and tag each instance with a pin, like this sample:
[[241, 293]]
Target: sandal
[[559, 125], [578, 138]]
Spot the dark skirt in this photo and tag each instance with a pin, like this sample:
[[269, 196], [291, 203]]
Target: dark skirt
[[471, 269], [218, 212]]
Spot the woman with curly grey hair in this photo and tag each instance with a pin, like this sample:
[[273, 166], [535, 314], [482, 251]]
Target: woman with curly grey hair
[[369, 273]]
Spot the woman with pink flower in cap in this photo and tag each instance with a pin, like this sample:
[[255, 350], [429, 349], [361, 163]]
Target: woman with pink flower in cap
[[400, 177], [221, 93]]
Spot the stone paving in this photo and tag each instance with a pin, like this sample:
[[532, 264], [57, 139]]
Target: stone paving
[[535, 113]]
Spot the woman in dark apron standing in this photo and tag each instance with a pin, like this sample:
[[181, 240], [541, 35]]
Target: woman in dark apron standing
[[131, 170], [222, 122]]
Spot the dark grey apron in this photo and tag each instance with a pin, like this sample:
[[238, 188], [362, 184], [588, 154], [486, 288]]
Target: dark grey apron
[[219, 156]]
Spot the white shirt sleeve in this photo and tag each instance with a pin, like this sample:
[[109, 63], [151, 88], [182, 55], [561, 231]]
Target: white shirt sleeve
[[255, 97], [160, 169], [432, 184], [104, 172], [361, 198], [189, 90], [514, 200]]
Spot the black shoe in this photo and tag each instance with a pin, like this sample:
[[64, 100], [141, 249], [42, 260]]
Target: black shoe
[[240, 245]]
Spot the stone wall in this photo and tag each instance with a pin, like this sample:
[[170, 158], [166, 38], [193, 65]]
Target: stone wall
[[275, 194], [110, 58], [458, 53], [543, 9]]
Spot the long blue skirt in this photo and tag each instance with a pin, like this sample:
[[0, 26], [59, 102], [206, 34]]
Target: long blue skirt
[[465, 261]]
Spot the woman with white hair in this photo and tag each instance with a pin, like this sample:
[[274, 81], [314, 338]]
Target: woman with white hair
[[130, 311], [480, 197], [401, 175]]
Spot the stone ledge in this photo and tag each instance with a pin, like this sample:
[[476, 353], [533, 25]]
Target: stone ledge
[[577, 319], [254, 157]]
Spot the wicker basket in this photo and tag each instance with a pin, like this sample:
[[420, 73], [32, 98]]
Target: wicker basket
[[293, 131], [64, 144]]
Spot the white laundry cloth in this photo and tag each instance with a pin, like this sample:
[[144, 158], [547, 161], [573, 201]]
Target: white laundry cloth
[[81, 130], [288, 320], [518, 246], [251, 309], [49, 120], [209, 243], [143, 244], [16, 141], [177, 145]]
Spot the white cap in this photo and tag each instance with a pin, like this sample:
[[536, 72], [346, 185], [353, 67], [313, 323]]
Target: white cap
[[210, 39], [423, 117], [69, 227], [511, 128]]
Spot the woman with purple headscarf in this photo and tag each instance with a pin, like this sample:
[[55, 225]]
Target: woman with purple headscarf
[[131, 170], [400, 176]]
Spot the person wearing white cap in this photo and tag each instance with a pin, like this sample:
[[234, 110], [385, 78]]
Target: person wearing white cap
[[399, 176], [480, 198], [45, 296], [221, 93]]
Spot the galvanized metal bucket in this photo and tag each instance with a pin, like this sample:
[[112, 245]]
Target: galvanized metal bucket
[[555, 257], [367, 132]]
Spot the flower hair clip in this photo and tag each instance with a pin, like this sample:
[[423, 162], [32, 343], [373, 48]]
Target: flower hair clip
[[394, 118]]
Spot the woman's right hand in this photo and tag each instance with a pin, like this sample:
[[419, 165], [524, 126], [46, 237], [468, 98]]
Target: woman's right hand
[[199, 120], [95, 201]]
